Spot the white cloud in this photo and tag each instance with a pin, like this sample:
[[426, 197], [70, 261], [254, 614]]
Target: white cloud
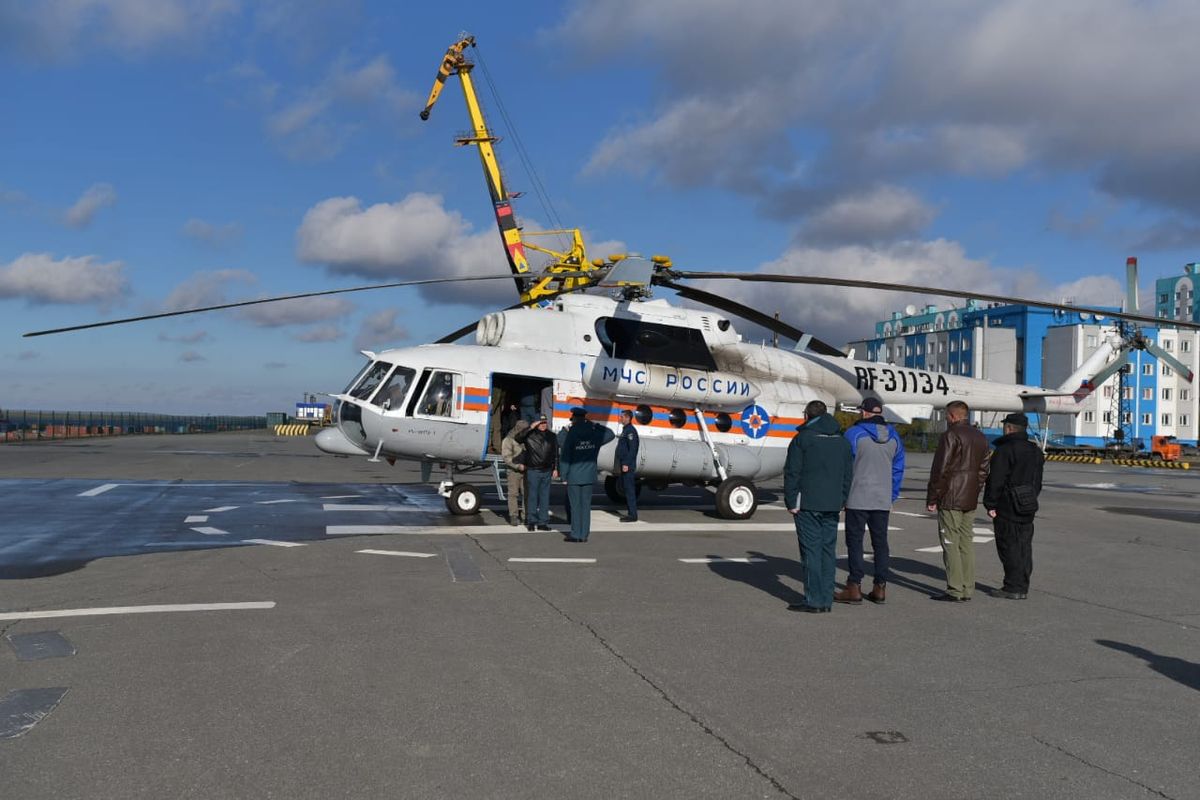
[[39, 278], [380, 330], [320, 333], [184, 338], [59, 30], [880, 214], [191, 357], [28, 355], [208, 288], [212, 234], [94, 198], [302, 311]]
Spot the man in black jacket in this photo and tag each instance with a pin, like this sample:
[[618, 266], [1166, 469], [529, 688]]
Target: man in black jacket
[[1010, 497], [627, 461], [541, 464]]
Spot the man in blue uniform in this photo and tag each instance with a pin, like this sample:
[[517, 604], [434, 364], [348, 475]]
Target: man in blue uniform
[[627, 460], [816, 482], [577, 467]]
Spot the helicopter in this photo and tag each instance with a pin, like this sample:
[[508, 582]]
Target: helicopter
[[715, 409]]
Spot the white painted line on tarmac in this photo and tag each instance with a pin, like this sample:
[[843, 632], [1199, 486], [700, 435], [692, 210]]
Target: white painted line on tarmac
[[938, 549], [98, 490], [219, 509], [554, 560], [723, 560], [196, 518], [340, 496], [96, 612], [211, 531], [397, 553], [360, 507], [273, 542], [926, 515], [416, 530], [273, 502]]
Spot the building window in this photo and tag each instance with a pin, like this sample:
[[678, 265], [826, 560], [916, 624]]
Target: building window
[[954, 368], [1147, 369], [1184, 421], [1089, 416], [1166, 394], [1166, 420], [1147, 419], [907, 350], [1168, 344], [1091, 340], [953, 346], [1185, 346], [1108, 391], [1185, 394], [966, 345], [1127, 393], [1107, 417], [1127, 418], [1166, 371], [1164, 298], [1147, 393]]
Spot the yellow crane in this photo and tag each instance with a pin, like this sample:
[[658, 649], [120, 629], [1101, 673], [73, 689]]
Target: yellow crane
[[564, 271]]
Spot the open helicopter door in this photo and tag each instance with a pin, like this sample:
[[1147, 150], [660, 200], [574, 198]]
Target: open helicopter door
[[513, 397]]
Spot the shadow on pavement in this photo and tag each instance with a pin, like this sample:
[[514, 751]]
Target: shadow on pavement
[[766, 576], [1177, 669]]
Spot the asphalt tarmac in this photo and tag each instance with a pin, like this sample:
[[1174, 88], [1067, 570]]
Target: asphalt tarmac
[[259, 652]]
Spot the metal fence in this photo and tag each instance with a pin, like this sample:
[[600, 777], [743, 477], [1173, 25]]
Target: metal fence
[[28, 426]]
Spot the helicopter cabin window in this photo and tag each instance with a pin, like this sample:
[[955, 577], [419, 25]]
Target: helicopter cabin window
[[723, 422], [439, 399], [654, 343], [643, 414], [370, 380], [392, 392], [677, 417]]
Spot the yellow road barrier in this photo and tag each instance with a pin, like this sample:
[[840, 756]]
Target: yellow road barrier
[[1151, 463], [293, 429]]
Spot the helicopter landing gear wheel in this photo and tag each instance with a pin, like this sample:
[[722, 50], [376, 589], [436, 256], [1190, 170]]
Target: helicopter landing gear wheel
[[735, 499], [463, 500], [616, 490]]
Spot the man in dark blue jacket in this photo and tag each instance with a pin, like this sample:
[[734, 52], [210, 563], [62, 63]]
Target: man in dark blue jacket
[[878, 470], [577, 466], [627, 461], [816, 481]]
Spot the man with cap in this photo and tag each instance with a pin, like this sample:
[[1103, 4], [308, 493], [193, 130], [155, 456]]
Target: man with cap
[[1010, 497], [816, 482], [627, 460], [577, 465], [959, 469], [878, 470], [541, 464]]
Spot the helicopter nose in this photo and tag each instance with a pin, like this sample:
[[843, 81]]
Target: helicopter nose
[[333, 441]]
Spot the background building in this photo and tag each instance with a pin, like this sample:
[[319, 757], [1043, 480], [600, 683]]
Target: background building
[[1042, 347]]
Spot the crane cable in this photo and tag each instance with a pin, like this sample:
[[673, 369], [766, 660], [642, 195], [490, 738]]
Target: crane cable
[[538, 187]]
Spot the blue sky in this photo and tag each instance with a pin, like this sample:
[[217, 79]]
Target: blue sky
[[172, 153]]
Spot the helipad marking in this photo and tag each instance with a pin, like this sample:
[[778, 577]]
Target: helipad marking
[[197, 518], [219, 509], [98, 490], [554, 560], [273, 502], [211, 531], [397, 553], [414, 530], [361, 507], [938, 549], [97, 612], [340, 496], [273, 542], [926, 515], [723, 560]]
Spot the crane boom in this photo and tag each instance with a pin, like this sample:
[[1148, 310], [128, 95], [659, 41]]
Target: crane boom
[[572, 262]]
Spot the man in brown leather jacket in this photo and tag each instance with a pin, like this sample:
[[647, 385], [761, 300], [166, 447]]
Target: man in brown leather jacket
[[960, 468]]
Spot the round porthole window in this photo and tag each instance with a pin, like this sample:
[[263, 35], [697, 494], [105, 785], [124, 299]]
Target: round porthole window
[[643, 415], [677, 418], [724, 422]]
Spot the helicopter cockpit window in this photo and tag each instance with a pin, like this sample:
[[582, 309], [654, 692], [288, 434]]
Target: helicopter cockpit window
[[654, 343], [370, 380], [393, 391], [439, 397]]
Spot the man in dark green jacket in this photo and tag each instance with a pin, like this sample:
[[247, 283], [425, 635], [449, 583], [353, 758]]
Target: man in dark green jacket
[[816, 482], [577, 467]]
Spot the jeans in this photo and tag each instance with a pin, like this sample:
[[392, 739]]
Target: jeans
[[1014, 544], [537, 496], [629, 484], [817, 531], [579, 498], [856, 521]]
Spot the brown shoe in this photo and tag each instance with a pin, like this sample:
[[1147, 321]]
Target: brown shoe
[[851, 594], [878, 594]]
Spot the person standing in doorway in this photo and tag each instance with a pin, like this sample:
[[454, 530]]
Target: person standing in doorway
[[513, 454], [541, 464], [816, 481], [577, 465], [627, 461], [1011, 498], [960, 467], [878, 470]]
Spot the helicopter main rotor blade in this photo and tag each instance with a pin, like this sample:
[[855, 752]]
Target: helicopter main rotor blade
[[1171, 361], [853, 283], [1111, 369], [163, 315], [753, 315]]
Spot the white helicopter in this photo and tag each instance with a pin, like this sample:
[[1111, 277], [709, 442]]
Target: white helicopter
[[714, 410]]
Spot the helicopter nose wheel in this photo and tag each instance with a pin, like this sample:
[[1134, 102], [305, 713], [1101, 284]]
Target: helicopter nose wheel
[[463, 500], [736, 499]]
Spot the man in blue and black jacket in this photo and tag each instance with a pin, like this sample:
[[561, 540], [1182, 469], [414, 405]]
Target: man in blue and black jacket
[[878, 471]]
